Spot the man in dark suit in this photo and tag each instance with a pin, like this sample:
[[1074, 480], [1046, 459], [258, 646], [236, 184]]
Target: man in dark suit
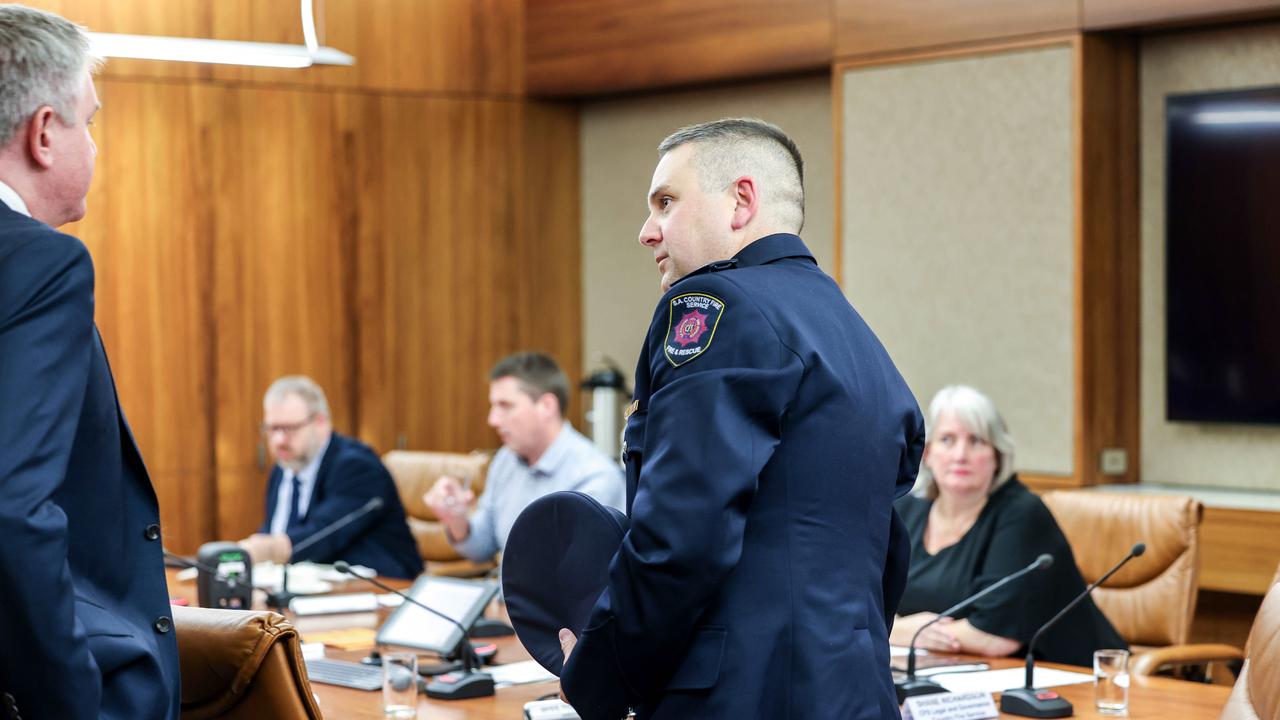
[[320, 477], [769, 437], [85, 628]]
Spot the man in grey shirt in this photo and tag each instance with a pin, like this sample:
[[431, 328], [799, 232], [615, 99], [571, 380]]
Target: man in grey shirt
[[541, 453]]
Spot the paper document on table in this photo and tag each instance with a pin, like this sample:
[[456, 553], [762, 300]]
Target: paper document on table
[[1014, 677], [518, 673], [902, 651]]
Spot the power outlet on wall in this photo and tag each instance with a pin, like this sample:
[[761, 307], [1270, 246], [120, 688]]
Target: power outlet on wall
[[1113, 461]]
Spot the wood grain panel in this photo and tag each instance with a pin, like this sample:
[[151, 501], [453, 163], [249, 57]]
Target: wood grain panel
[[548, 256], [585, 47], [438, 224], [1108, 14], [879, 26], [1239, 550], [239, 513], [1107, 255], [282, 232]]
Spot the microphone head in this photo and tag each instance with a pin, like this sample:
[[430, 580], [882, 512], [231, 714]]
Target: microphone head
[[342, 566], [1044, 561], [1139, 549]]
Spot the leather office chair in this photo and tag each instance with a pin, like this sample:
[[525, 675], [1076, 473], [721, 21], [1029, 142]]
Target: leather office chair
[[1152, 600], [1257, 691], [241, 664], [414, 473]]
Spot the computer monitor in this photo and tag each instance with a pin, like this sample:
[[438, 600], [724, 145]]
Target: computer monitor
[[411, 626]]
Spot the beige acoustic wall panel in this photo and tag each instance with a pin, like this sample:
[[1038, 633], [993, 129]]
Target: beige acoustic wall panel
[[1193, 453], [958, 231], [619, 150]]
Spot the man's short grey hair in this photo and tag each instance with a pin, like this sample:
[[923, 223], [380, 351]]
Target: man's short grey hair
[[977, 413], [733, 147], [302, 386], [43, 58]]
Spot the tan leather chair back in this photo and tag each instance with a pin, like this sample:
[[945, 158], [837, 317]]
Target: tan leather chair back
[[241, 664], [415, 472], [1257, 691], [1152, 600]]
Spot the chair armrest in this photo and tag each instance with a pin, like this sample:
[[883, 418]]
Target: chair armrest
[[1149, 662]]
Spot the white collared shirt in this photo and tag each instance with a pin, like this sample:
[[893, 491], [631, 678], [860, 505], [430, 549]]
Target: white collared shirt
[[10, 197], [306, 484]]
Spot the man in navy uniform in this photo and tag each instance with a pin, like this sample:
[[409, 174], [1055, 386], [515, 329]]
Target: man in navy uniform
[[85, 627], [319, 478], [769, 436]]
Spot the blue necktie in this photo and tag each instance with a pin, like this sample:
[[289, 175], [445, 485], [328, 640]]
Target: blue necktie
[[293, 503]]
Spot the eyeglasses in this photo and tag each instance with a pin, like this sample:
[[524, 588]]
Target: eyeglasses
[[289, 429]]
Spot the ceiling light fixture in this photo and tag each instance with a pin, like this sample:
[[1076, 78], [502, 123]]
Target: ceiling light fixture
[[223, 52]]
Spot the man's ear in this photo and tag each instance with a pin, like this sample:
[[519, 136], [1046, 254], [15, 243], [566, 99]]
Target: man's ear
[[40, 137], [746, 198]]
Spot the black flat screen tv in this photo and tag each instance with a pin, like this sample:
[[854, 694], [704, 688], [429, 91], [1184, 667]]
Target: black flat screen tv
[[1222, 244]]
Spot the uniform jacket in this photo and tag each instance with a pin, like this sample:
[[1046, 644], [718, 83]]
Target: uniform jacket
[[85, 628], [769, 437], [350, 473]]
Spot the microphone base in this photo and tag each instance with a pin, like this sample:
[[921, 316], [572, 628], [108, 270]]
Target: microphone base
[[911, 687], [460, 686], [489, 628], [279, 599], [1029, 702]]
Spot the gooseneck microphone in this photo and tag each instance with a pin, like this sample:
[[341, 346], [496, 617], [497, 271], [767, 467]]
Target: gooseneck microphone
[[279, 599], [1026, 701], [225, 578], [466, 683], [910, 686]]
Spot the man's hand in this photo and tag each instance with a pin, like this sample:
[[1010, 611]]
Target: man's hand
[[450, 501], [567, 643], [268, 548]]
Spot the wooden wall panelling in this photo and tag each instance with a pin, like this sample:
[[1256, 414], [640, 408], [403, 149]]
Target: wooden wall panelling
[[146, 230], [584, 47], [283, 280], [437, 227], [1106, 14], [1107, 254], [548, 259], [879, 26], [1239, 550]]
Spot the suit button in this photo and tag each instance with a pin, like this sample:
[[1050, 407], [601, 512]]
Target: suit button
[[152, 532], [163, 624]]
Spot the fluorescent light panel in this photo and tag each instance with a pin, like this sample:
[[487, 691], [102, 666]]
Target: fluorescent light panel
[[222, 52]]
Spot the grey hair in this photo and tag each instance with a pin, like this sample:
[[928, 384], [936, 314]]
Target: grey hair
[[732, 147], [977, 413], [43, 58], [302, 386]]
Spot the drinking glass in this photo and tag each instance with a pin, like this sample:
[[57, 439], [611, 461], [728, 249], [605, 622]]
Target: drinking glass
[[400, 684], [1111, 682]]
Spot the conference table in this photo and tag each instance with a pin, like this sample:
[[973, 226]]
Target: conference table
[[1149, 698]]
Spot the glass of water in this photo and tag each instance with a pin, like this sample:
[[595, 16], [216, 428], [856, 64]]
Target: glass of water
[[1111, 681], [400, 684]]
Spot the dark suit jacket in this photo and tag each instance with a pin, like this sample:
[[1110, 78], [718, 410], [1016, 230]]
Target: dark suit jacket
[[84, 612], [770, 436], [350, 473]]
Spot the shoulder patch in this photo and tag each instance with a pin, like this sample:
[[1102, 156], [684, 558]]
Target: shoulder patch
[[691, 326]]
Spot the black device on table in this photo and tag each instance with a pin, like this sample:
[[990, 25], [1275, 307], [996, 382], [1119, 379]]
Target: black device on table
[[466, 682], [911, 685], [225, 575], [1027, 701]]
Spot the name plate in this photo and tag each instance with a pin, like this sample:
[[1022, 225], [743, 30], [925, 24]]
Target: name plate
[[950, 706]]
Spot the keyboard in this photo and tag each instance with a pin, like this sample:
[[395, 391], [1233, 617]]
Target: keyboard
[[346, 674]]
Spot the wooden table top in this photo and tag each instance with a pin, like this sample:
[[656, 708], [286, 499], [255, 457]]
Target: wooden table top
[[1149, 698]]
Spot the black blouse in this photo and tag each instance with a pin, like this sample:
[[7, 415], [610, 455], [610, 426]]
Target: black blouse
[[1012, 530]]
